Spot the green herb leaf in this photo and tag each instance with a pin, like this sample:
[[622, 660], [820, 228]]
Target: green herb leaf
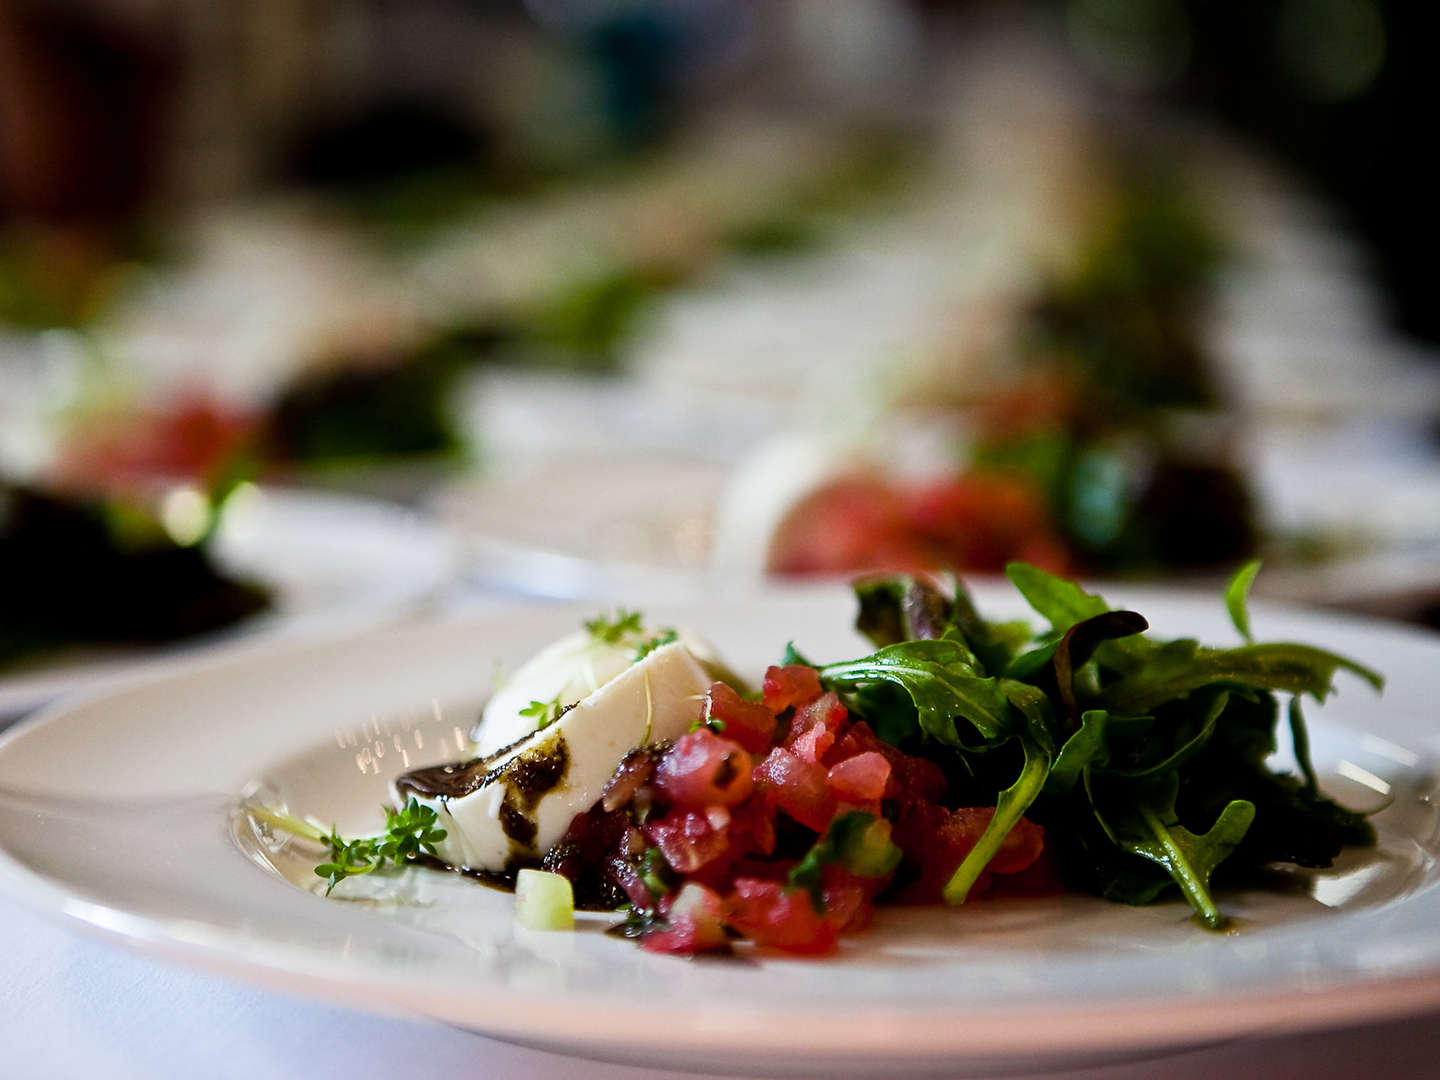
[[611, 630], [1082, 750], [1009, 809], [409, 833], [1188, 746], [859, 840], [1237, 594], [655, 641], [1300, 739], [1061, 603], [1295, 669], [544, 713], [1143, 822], [939, 677]]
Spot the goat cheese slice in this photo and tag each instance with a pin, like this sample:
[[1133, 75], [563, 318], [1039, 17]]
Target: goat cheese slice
[[515, 804]]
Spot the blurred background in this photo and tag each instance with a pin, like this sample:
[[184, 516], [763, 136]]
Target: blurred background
[[305, 301]]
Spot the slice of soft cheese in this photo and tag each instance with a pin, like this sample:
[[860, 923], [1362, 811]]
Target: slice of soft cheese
[[516, 804], [564, 672]]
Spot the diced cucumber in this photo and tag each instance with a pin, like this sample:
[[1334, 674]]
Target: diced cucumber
[[867, 850], [544, 901]]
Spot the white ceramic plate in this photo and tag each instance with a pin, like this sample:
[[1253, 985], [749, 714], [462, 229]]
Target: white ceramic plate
[[130, 829], [333, 562]]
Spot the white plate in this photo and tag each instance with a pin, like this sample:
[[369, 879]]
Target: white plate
[[130, 830], [333, 562]]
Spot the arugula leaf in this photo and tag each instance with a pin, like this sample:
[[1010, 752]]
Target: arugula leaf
[[1082, 750], [1062, 603], [1009, 809], [1296, 669], [939, 677], [1144, 823], [1237, 593], [1187, 748], [900, 608], [1034, 705], [904, 608], [1300, 739]]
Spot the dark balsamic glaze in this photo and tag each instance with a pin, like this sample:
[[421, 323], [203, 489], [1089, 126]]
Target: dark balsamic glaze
[[527, 778], [530, 775]]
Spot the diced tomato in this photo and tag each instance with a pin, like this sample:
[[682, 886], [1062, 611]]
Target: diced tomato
[[847, 899], [770, 914], [796, 786], [704, 769], [936, 840], [815, 726], [1041, 878], [825, 710], [911, 779], [752, 828], [861, 778], [623, 872], [749, 723], [811, 744], [1022, 847], [791, 685], [696, 919], [688, 839]]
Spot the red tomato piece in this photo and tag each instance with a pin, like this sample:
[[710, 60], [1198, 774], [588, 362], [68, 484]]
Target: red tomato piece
[[704, 769], [861, 778], [911, 779], [688, 839], [749, 723], [1022, 847], [752, 828], [796, 786], [815, 726], [769, 914], [791, 685], [695, 918], [812, 744], [847, 907]]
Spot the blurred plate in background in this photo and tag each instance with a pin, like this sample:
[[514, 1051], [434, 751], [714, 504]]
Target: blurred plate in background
[[332, 562]]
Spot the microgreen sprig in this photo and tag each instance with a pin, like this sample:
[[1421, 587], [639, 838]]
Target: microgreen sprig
[[409, 833], [611, 630]]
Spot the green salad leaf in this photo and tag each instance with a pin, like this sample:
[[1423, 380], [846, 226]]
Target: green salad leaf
[[1145, 760], [941, 678]]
